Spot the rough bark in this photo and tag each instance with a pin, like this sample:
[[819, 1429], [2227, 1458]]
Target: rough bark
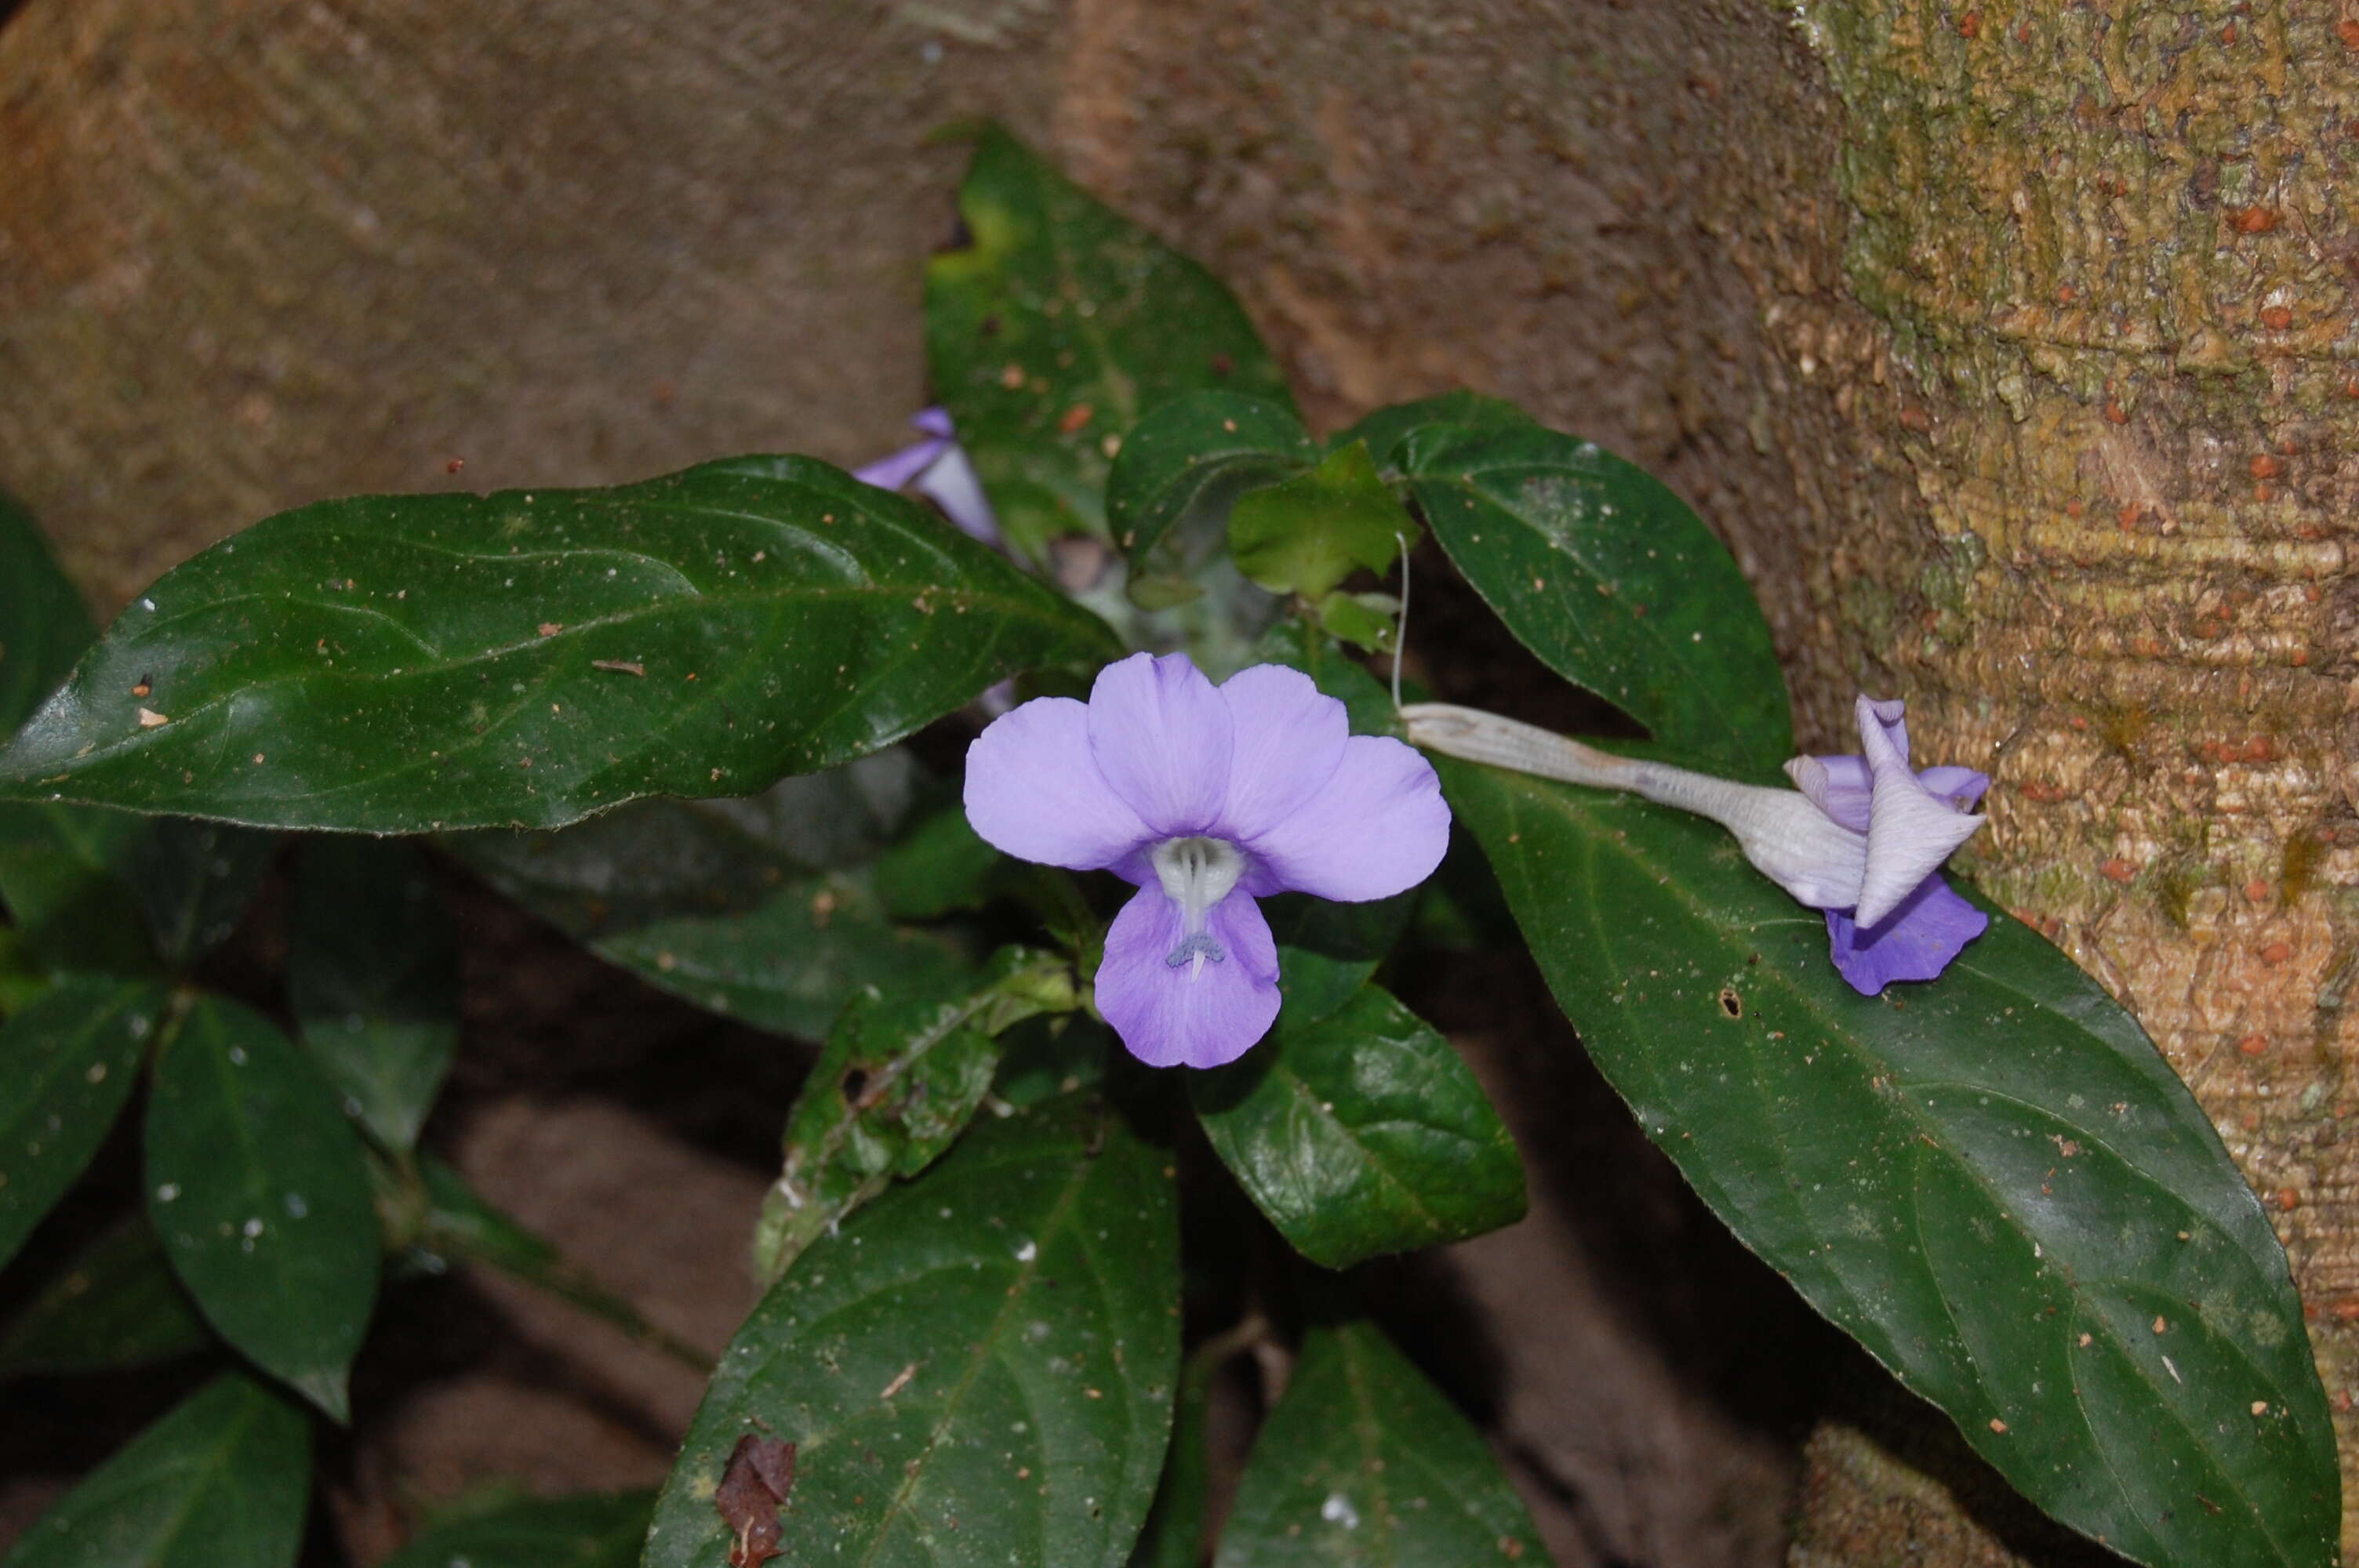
[[2008, 347]]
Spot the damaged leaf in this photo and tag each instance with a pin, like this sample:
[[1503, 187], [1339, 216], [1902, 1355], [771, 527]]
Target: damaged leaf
[[760, 1473]]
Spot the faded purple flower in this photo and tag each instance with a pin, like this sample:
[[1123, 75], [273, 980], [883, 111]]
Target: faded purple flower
[[1907, 924], [1206, 798], [938, 469]]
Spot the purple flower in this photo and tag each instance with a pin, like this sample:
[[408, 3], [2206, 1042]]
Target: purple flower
[[1905, 924], [1206, 798], [938, 469]]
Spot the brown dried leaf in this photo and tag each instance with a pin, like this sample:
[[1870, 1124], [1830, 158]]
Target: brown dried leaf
[[760, 1473]]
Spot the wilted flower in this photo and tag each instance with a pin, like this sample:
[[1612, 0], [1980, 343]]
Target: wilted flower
[[1206, 798], [1863, 840], [938, 469]]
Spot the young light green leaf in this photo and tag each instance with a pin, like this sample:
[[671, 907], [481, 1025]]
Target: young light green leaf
[[256, 1184], [1306, 535], [396, 665], [1600, 569], [1364, 620], [1058, 328], [372, 980], [1192, 457], [44, 625], [1991, 1181], [582, 1531], [219, 1483], [978, 1369], [1360, 1132], [901, 1075], [195, 880], [1364, 1464], [66, 1063], [115, 1304]]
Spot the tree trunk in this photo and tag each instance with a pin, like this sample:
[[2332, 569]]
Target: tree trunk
[[2010, 349]]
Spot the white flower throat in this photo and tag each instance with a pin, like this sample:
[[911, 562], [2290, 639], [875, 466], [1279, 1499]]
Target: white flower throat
[[1197, 874]]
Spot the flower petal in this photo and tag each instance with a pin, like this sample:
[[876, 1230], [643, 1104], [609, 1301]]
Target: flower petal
[[1911, 830], [1888, 718], [1915, 942], [1033, 789], [950, 483], [1788, 839], [1376, 827], [1960, 787], [934, 421], [1288, 737], [1836, 785], [897, 468], [1160, 732], [1186, 1014]]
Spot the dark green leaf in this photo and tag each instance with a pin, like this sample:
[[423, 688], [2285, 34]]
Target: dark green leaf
[[64, 875], [219, 1483], [1388, 430], [587, 1531], [978, 1369], [194, 880], [1192, 457], [1360, 1132], [1993, 1181], [1179, 1519], [113, 1305], [457, 1223], [66, 1063], [44, 625], [256, 1184], [941, 867], [394, 665], [1058, 328], [1364, 1463], [1306, 535], [902, 1073], [373, 978], [1600, 569]]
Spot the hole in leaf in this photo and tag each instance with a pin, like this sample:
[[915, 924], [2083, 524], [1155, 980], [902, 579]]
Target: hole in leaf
[[1730, 1004]]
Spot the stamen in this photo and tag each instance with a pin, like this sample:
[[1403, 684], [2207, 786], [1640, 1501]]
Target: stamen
[[1194, 950], [1197, 874]]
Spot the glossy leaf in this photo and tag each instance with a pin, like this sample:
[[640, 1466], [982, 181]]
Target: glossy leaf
[[256, 1182], [66, 1063], [391, 664], [1389, 431], [44, 625], [1059, 327], [195, 880], [583, 1531], [1360, 1132], [1991, 1181], [1192, 457], [1600, 569], [373, 978], [1306, 535], [978, 1369], [902, 1073], [219, 1483], [113, 1305], [1363, 1462]]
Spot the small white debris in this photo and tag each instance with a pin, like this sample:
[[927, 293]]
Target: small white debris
[[1025, 1253], [1338, 1509], [149, 718], [167, 1191]]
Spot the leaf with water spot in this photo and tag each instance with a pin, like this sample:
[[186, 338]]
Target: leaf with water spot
[[256, 1184], [976, 1370], [67, 1065]]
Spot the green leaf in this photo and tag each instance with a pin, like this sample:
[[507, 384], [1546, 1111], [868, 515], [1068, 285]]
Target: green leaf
[[1389, 431], [1363, 1462], [373, 978], [941, 867], [1179, 1519], [44, 625], [64, 875], [219, 1483], [1192, 457], [583, 1531], [194, 880], [1993, 1181], [900, 1077], [1306, 535], [115, 1304], [978, 1369], [1600, 569], [1058, 328], [256, 1184], [66, 1063], [394, 665], [456, 1222], [1360, 1132], [1365, 620], [1302, 646]]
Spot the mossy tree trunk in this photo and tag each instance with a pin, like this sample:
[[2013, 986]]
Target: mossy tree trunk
[[2011, 347]]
